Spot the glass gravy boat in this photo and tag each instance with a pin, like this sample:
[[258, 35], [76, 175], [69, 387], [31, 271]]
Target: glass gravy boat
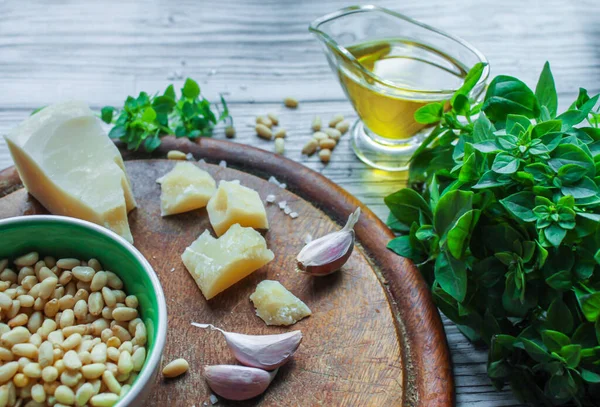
[[389, 66]]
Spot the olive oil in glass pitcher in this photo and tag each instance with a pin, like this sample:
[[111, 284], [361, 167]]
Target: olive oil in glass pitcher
[[389, 66]]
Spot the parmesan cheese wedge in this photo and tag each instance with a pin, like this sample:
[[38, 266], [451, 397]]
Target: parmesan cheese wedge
[[234, 203], [217, 264], [276, 305], [185, 188], [68, 163]]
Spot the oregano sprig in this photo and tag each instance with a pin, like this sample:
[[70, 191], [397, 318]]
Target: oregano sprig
[[502, 217], [145, 119]]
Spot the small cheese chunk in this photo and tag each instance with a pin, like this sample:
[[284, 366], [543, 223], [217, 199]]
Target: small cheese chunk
[[235, 203], [276, 305], [217, 264], [185, 188], [68, 163]]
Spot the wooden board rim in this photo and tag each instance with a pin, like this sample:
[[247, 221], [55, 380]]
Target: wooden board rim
[[428, 379]]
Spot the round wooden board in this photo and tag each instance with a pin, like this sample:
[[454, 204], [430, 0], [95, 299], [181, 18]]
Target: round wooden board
[[375, 337]]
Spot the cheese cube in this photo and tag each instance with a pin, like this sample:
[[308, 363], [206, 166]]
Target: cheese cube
[[217, 264], [235, 203], [185, 188], [276, 305], [68, 163]]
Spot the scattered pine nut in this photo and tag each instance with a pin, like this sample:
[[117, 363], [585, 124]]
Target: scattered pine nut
[[342, 126], [230, 132], [273, 117], [325, 155], [264, 120], [175, 155], [335, 120], [279, 146], [319, 135], [290, 102], [264, 132], [310, 147], [333, 133], [176, 368], [316, 124], [281, 133], [327, 143]]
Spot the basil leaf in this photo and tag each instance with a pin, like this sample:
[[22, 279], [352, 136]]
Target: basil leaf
[[401, 246], [190, 89], [507, 95], [545, 90], [106, 114], [521, 205], [505, 164], [450, 208], [470, 81], [460, 234], [451, 275], [537, 352], [570, 154], [559, 317], [407, 205], [589, 376]]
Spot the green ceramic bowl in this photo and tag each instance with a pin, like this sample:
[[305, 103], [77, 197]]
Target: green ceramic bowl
[[60, 236]]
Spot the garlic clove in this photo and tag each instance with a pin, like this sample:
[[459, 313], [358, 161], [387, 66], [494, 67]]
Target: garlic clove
[[261, 351], [329, 253], [238, 382]]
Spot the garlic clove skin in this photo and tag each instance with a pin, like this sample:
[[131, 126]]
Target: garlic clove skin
[[261, 351], [329, 253], [238, 382]]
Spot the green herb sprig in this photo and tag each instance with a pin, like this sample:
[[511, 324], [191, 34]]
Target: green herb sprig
[[502, 217], [145, 119]]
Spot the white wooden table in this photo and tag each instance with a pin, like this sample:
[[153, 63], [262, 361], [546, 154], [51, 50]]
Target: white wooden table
[[257, 52]]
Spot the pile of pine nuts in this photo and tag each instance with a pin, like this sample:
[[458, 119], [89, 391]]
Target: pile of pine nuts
[[325, 139], [264, 129], [69, 335]]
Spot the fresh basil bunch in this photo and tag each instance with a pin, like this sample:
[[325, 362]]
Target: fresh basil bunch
[[502, 218], [145, 119]]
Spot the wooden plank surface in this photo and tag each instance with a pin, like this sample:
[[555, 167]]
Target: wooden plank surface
[[257, 52]]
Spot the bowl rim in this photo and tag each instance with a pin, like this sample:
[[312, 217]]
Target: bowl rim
[[152, 360]]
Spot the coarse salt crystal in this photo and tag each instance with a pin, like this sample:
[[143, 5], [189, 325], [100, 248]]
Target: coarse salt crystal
[[283, 185], [190, 157], [282, 204], [270, 198], [213, 399], [274, 180], [307, 238], [287, 210], [202, 161], [294, 215], [223, 164], [173, 269]]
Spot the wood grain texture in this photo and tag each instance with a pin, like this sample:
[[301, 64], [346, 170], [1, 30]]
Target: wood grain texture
[[375, 337], [259, 51]]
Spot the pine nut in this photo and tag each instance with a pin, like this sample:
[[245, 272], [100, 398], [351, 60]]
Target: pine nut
[[14, 336], [38, 394], [120, 296], [74, 329], [342, 126], [279, 146], [27, 350], [81, 294], [230, 132], [85, 357], [95, 303], [83, 273], [28, 282], [84, 394], [26, 300], [35, 322], [113, 342], [333, 134], [310, 147], [47, 326], [176, 155], [45, 355], [325, 155], [51, 308], [131, 301], [319, 135], [3, 264], [263, 131], [138, 359], [176, 368], [49, 374], [67, 318], [264, 120], [47, 287], [71, 342], [126, 346], [290, 102], [64, 395], [281, 133], [35, 339], [19, 320], [99, 281], [104, 400], [93, 371], [66, 302], [66, 277], [95, 264], [70, 377], [8, 275], [125, 365], [99, 353], [113, 354], [327, 143], [7, 371], [50, 261], [111, 382], [6, 355], [33, 370], [28, 259], [71, 360], [335, 120], [140, 334], [274, 118], [5, 302], [131, 326], [80, 310], [68, 263], [14, 310], [114, 281], [122, 333], [56, 337], [316, 124], [20, 380]]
